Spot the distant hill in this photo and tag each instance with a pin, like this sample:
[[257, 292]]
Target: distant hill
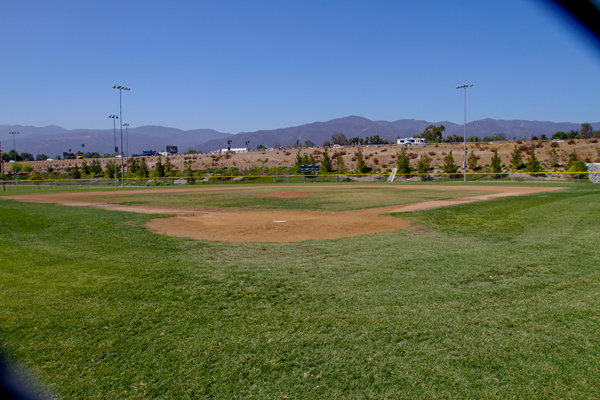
[[52, 140], [352, 126], [317, 132]]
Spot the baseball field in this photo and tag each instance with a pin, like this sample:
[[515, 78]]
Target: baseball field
[[304, 292]]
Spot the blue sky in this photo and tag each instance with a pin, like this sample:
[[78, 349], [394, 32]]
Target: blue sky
[[246, 65]]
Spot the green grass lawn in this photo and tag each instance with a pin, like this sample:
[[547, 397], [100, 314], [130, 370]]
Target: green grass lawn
[[494, 299], [324, 199]]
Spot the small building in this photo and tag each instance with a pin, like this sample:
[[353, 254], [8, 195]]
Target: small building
[[410, 141]]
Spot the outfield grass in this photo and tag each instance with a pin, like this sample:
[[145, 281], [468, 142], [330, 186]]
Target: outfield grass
[[323, 199], [494, 299]]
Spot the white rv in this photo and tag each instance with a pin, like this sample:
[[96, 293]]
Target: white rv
[[410, 141]]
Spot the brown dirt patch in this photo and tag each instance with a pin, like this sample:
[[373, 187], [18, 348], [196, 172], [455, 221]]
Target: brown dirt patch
[[235, 226], [286, 195]]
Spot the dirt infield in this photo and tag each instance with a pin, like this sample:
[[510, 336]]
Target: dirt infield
[[235, 226]]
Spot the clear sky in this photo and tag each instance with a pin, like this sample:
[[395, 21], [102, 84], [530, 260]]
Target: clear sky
[[246, 65]]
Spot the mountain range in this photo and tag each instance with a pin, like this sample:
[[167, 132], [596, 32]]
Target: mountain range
[[52, 140]]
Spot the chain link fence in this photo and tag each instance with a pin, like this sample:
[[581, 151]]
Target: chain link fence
[[103, 183]]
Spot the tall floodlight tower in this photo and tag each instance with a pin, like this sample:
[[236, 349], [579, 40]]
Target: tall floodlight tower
[[465, 129], [115, 118], [121, 88], [15, 151], [127, 147]]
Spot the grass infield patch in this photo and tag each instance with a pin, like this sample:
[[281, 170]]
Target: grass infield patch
[[323, 199], [494, 299]]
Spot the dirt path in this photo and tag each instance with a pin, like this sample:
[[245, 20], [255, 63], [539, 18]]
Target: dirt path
[[275, 226]]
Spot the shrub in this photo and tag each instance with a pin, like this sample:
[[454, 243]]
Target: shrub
[[403, 162], [554, 145], [472, 161], [533, 165], [449, 167], [424, 164], [516, 160], [496, 163]]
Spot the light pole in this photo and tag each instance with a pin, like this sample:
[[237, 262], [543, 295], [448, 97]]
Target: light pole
[[465, 129], [15, 151], [127, 147], [121, 88], [115, 118]]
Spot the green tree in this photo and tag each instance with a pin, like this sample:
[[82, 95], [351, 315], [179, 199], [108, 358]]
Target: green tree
[[586, 131], [339, 138], [6, 157], [27, 156], [573, 135], [424, 164], [326, 143], [433, 134], [449, 166], [326, 165], [554, 158], [472, 161], [189, 172], [169, 168], [533, 165], [85, 168], [96, 168], [109, 169], [309, 143], [28, 169], [574, 164], [298, 162], [559, 136], [191, 151], [159, 168], [341, 166], [41, 157], [516, 160], [76, 172], [306, 159], [361, 166], [311, 159], [496, 163], [143, 170], [403, 162]]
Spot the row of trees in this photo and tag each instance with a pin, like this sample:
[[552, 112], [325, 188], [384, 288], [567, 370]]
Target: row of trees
[[516, 162]]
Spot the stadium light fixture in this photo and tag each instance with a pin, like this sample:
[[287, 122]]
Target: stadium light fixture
[[465, 129]]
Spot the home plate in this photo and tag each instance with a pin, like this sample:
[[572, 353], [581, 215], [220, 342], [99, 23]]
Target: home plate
[[280, 221]]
